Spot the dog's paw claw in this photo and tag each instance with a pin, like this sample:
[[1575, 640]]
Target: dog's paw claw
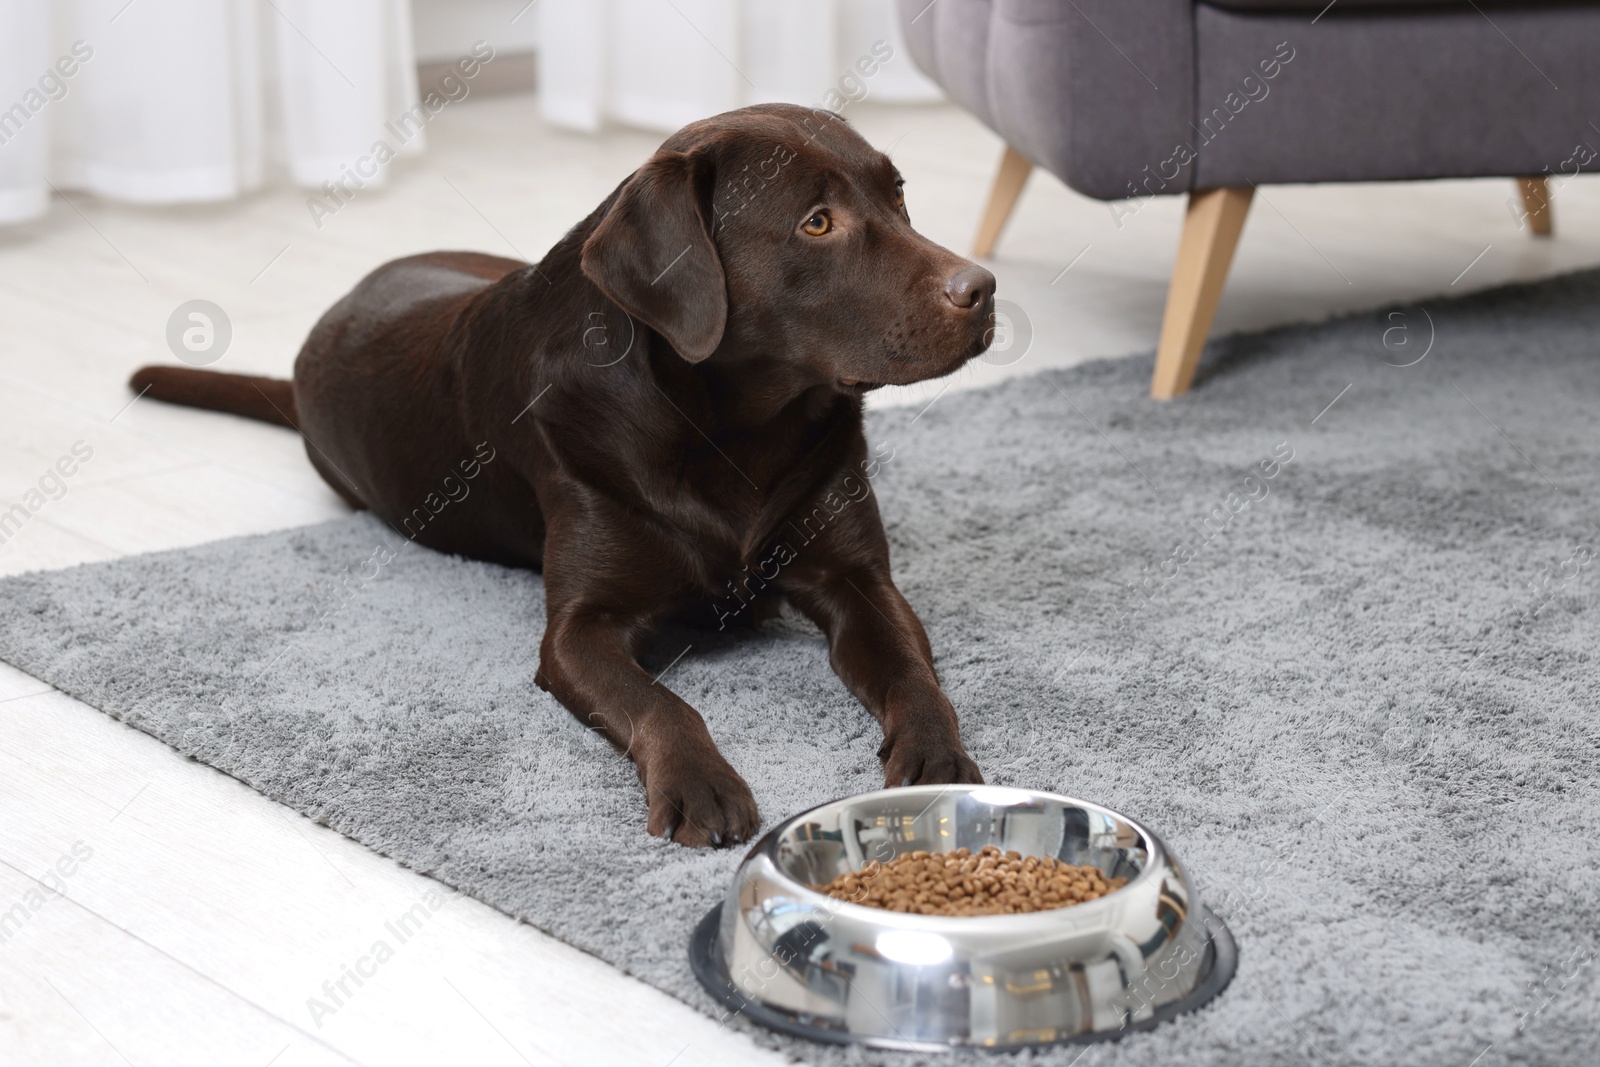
[[701, 807], [929, 762]]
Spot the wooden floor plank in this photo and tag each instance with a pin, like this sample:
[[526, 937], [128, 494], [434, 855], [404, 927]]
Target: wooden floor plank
[[267, 907]]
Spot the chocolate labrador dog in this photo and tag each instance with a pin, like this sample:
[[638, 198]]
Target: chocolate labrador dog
[[676, 390]]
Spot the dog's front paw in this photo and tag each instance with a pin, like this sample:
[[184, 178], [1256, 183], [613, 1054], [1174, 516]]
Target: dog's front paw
[[911, 757], [702, 805]]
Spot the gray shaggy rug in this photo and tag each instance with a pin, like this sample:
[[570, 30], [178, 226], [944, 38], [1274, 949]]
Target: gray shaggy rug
[[1341, 657]]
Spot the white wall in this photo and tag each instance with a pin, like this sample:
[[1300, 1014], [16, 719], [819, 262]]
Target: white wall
[[658, 65], [445, 30]]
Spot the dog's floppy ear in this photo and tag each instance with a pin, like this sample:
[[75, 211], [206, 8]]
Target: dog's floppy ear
[[652, 254]]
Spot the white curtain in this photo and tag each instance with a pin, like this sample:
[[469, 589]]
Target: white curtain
[[661, 63], [171, 101]]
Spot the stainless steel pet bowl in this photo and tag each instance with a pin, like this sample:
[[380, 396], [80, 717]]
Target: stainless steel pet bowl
[[791, 958]]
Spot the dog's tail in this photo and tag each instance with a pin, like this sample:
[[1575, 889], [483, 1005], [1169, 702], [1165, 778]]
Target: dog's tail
[[268, 399]]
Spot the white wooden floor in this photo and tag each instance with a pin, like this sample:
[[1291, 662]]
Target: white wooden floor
[[205, 916]]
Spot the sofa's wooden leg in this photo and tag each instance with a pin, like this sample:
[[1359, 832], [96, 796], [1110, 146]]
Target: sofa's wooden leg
[[1210, 233], [1014, 171], [1536, 202]]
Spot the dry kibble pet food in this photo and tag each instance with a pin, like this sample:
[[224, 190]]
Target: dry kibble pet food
[[987, 882]]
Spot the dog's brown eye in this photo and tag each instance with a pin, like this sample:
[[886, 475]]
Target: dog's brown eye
[[899, 194], [818, 224]]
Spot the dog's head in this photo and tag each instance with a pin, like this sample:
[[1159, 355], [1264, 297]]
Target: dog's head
[[776, 236]]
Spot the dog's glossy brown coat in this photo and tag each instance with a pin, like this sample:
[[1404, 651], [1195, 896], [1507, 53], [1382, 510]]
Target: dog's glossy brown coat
[[677, 381]]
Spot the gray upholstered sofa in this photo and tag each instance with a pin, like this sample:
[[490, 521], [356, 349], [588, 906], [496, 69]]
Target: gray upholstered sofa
[[1135, 98]]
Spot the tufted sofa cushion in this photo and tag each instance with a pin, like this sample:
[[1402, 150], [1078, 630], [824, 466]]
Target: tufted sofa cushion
[[1368, 6], [1318, 5], [1092, 90], [1125, 98]]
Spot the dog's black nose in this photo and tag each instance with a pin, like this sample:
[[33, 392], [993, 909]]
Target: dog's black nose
[[969, 287]]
